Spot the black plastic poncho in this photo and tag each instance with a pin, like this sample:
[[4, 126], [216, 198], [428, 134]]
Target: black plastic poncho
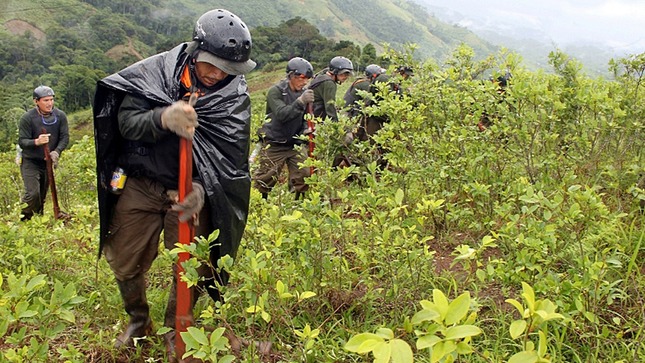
[[220, 146]]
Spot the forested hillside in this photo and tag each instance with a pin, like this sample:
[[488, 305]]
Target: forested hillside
[[70, 44]]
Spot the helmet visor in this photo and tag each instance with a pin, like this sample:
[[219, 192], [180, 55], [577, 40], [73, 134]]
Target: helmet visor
[[230, 67]]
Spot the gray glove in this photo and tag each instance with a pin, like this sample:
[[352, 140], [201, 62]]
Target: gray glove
[[192, 204], [180, 118], [348, 138], [306, 97], [54, 156]]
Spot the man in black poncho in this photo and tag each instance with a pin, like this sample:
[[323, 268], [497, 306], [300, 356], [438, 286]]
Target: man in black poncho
[[140, 114]]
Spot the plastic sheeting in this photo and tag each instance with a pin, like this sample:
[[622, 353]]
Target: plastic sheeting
[[220, 146]]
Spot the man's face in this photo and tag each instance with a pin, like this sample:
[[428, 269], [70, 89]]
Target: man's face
[[208, 74], [340, 78], [45, 104], [298, 82]]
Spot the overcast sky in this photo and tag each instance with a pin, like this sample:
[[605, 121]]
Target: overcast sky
[[619, 24]]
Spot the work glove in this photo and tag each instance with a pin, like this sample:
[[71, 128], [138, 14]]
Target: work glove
[[180, 118], [348, 138], [191, 205], [306, 97], [54, 155]]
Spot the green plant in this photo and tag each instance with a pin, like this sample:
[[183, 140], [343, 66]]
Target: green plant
[[534, 317]]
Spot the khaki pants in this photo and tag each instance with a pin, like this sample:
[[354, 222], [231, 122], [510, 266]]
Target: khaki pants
[[272, 160]]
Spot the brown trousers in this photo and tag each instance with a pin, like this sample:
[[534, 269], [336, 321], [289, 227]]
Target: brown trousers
[[272, 160], [141, 214]]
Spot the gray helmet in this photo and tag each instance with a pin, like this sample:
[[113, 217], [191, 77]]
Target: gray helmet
[[300, 66], [373, 70], [340, 65], [42, 91], [222, 33]]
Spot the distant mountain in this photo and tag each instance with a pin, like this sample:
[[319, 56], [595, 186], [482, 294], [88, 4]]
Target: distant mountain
[[534, 45]]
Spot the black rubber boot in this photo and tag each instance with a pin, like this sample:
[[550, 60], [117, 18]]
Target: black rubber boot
[[133, 293]]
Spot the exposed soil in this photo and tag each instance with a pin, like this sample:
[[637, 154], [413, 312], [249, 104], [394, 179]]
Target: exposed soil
[[19, 27], [120, 51]]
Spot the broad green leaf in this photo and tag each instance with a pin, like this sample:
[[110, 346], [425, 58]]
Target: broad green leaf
[[517, 305], [385, 333], [464, 348], [217, 333], [529, 296], [427, 341], [398, 197], [524, 357], [67, 316], [590, 316], [382, 352], [306, 295], [197, 334], [226, 359], [424, 315], [401, 351], [279, 287], [462, 331], [37, 281], [292, 217], [437, 352], [441, 302], [362, 343], [517, 328], [458, 309]]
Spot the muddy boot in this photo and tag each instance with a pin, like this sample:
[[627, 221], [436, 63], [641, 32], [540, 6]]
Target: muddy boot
[[133, 293]]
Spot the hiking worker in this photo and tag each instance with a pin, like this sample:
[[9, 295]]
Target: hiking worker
[[353, 98], [405, 71], [140, 114], [501, 82], [325, 84], [281, 135], [42, 125]]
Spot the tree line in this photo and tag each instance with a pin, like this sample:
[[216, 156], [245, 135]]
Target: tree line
[[82, 47]]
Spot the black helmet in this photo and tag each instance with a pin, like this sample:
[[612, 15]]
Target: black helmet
[[373, 70], [340, 65], [300, 66], [223, 34], [42, 91], [503, 80], [405, 70]]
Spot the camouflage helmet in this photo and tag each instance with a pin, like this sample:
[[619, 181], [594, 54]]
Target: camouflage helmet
[[300, 66], [43, 91], [340, 65]]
